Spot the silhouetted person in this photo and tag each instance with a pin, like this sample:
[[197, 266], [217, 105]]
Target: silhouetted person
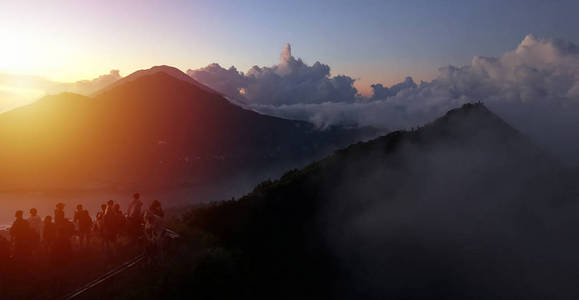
[[61, 252], [48, 233], [134, 218], [35, 221], [120, 221], [61, 248], [134, 210], [154, 233], [20, 234], [100, 223], [83, 223], [4, 261], [59, 215], [156, 209], [101, 213], [4, 251], [110, 206], [36, 226], [110, 225]]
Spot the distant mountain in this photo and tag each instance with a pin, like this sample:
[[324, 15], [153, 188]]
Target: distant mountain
[[463, 208], [154, 129], [172, 71]]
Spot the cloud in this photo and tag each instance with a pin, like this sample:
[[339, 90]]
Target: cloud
[[289, 82], [535, 87], [17, 90], [86, 87], [381, 92], [229, 82]]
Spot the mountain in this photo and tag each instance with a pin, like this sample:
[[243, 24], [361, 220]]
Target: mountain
[[465, 207], [172, 71], [154, 129]]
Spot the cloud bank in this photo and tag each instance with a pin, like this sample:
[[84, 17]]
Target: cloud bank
[[17, 90], [86, 87], [535, 87]]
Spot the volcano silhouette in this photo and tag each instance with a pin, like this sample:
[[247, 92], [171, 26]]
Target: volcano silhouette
[[154, 129]]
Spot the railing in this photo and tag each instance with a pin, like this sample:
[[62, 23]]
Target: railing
[[115, 271]]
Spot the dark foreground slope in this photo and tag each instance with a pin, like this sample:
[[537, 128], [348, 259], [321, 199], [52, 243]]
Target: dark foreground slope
[[463, 208], [151, 131]]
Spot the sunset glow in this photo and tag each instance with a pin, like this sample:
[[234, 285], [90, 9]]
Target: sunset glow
[[276, 149]]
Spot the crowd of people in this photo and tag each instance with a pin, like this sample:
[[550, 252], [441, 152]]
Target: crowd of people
[[53, 236]]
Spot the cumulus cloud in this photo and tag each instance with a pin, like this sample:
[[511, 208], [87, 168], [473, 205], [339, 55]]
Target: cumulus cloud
[[535, 87], [289, 82], [381, 92], [229, 82]]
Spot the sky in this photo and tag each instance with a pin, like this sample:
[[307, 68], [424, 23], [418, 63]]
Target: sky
[[387, 64], [370, 41]]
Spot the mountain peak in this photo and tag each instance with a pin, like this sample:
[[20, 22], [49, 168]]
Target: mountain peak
[[472, 118], [471, 128], [165, 69], [169, 70], [477, 107]]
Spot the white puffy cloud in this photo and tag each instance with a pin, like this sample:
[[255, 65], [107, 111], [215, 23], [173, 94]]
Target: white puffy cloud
[[229, 82], [289, 82]]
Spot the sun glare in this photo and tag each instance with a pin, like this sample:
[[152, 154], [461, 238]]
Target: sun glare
[[23, 91], [26, 51]]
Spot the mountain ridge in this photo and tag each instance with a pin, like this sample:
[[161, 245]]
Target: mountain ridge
[[399, 216]]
